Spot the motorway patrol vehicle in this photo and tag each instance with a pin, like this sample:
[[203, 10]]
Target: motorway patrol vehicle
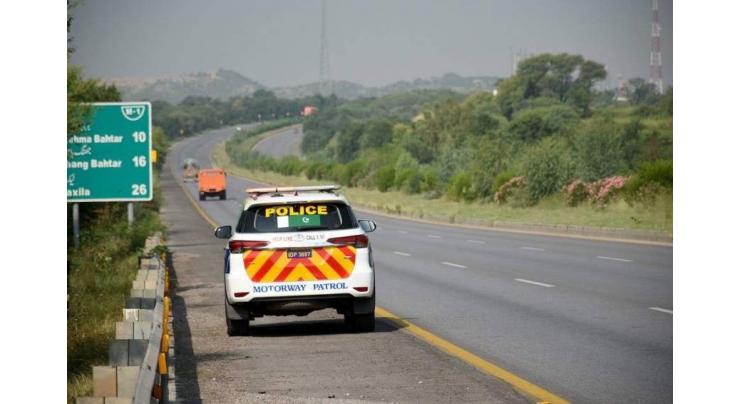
[[296, 250]]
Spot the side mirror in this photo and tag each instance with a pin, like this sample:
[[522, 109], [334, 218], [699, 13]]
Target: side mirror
[[223, 232], [368, 226]]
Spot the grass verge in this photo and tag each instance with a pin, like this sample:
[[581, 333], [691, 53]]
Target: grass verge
[[99, 280], [549, 211]]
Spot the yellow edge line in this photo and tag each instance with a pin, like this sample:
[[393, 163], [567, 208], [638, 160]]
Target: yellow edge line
[[479, 363]]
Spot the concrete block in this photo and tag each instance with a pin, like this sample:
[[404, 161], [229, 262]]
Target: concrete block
[[127, 378], [104, 381], [138, 284], [149, 293], [152, 275], [133, 303], [124, 330], [131, 314], [142, 330], [146, 315], [148, 303], [137, 293], [150, 284], [118, 400], [89, 400], [118, 352], [137, 351]]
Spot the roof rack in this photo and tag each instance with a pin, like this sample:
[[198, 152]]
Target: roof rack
[[255, 192]]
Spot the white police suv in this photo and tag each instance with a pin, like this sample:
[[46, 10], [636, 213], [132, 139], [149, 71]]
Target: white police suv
[[296, 250]]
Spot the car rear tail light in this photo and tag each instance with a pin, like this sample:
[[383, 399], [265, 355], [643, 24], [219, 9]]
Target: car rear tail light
[[358, 241], [360, 288], [240, 294], [237, 246]]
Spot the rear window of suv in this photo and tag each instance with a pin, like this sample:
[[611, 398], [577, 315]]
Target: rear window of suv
[[296, 217]]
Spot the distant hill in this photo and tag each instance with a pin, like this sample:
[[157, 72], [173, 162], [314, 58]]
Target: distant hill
[[222, 84], [349, 90], [225, 84]]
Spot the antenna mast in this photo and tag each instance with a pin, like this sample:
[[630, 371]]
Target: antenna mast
[[656, 62], [325, 87]]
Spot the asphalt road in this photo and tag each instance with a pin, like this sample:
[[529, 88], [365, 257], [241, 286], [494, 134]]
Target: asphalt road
[[282, 143], [590, 321]]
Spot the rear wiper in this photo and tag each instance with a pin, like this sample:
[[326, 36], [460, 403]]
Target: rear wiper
[[313, 228]]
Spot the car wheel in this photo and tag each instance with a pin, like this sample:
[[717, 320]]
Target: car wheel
[[202, 197], [361, 322], [235, 328], [223, 195]]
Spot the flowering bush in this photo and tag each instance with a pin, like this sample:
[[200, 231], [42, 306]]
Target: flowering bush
[[599, 192], [602, 191], [507, 189], [576, 192]]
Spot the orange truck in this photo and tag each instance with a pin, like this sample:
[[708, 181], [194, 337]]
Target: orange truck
[[212, 182]]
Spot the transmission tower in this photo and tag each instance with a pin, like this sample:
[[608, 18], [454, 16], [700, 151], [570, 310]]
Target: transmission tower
[[656, 62], [325, 87]]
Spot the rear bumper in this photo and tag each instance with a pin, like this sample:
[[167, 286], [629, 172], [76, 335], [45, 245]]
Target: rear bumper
[[278, 306], [360, 284]]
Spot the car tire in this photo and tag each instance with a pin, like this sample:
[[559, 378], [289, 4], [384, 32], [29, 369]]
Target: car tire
[[360, 322], [202, 197], [235, 328], [223, 195]]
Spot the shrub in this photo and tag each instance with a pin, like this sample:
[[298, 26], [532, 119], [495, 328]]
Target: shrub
[[385, 177], [507, 189], [575, 192], [460, 187], [546, 167], [602, 191], [501, 179], [599, 149], [652, 179]]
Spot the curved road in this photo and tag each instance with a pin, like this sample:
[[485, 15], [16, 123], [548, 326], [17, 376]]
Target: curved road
[[588, 320], [283, 143]]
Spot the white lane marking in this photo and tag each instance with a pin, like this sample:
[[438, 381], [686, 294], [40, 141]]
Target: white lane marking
[[403, 231], [532, 248], [662, 310], [433, 236], [544, 285], [476, 241], [614, 259], [402, 253], [452, 264]]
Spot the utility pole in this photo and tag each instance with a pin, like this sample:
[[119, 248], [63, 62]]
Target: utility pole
[[656, 62]]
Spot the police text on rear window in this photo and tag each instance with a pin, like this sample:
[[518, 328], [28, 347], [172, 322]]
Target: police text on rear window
[[296, 217]]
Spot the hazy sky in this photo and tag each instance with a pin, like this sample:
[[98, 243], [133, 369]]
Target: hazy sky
[[370, 42]]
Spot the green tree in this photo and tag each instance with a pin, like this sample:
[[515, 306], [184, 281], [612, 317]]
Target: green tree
[[546, 167], [599, 149]]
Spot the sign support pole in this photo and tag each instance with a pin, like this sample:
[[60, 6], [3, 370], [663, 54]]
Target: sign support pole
[[76, 225], [130, 214]]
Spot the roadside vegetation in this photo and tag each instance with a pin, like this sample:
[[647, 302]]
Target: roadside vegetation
[[100, 272], [546, 149]]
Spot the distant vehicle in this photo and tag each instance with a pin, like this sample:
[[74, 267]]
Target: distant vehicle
[[212, 182], [296, 250], [309, 110], [190, 170]]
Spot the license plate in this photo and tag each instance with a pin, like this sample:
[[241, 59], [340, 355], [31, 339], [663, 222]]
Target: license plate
[[299, 253]]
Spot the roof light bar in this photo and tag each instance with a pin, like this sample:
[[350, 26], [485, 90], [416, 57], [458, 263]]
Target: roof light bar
[[320, 188]]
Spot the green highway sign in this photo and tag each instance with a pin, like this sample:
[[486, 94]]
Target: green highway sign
[[110, 160]]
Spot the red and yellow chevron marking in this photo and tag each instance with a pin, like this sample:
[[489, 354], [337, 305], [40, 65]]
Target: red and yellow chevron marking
[[326, 263]]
